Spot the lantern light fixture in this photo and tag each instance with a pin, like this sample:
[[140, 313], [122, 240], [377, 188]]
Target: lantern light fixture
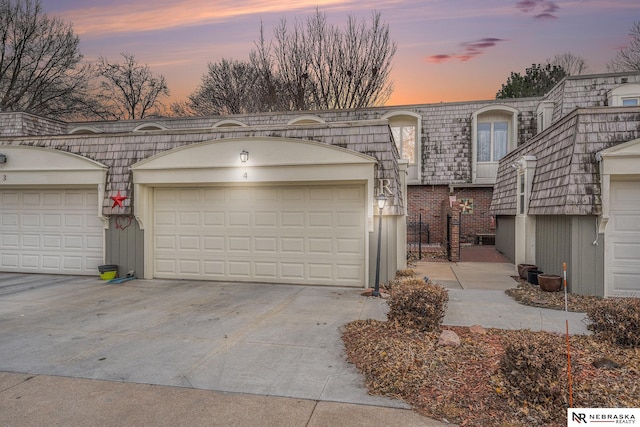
[[244, 156]]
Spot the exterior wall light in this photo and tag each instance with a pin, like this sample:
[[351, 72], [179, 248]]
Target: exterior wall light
[[244, 156], [3, 159], [381, 200]]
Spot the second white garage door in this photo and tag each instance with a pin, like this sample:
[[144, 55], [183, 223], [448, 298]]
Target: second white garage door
[[276, 234], [623, 239]]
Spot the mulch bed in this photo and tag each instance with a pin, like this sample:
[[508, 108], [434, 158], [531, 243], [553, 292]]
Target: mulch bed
[[464, 384], [528, 294]]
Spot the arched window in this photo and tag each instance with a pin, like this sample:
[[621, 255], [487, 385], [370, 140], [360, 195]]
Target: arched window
[[406, 129], [228, 123], [494, 130], [84, 130], [149, 126], [306, 120]]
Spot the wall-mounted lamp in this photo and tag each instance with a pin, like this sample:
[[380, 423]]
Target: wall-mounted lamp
[[244, 156], [3, 159]]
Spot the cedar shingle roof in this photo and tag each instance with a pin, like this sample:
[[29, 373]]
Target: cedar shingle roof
[[119, 151], [566, 180]]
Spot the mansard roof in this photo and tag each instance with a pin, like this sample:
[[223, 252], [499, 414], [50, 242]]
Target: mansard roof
[[566, 180]]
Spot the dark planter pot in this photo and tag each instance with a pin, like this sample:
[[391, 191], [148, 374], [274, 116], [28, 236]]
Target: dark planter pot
[[523, 268], [532, 276], [550, 282]]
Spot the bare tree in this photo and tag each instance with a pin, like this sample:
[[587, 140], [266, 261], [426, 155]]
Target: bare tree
[[628, 58], [323, 67], [128, 90], [40, 63], [229, 87], [573, 65], [312, 65]]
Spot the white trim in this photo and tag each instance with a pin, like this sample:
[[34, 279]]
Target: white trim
[[525, 232], [619, 162]]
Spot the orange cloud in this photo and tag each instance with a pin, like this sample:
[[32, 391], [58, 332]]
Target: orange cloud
[[150, 16]]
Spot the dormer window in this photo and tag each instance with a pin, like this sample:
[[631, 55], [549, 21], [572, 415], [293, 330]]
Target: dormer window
[[406, 131], [494, 135], [544, 115], [626, 95]]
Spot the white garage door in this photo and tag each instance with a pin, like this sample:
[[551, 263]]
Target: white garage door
[[50, 231], [623, 239], [277, 234]]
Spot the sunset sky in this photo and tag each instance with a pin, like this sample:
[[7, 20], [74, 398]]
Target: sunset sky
[[448, 50]]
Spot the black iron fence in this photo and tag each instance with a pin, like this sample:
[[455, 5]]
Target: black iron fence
[[418, 235]]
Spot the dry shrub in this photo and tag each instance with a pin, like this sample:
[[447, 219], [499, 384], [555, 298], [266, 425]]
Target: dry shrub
[[418, 305], [616, 320], [409, 272], [534, 367]]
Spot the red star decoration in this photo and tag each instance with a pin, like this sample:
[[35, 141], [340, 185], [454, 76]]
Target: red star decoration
[[118, 199]]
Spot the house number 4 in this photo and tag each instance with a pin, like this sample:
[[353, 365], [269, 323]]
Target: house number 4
[[245, 175]]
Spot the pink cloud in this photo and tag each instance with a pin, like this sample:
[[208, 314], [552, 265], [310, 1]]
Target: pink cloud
[[439, 58], [542, 9], [471, 49]]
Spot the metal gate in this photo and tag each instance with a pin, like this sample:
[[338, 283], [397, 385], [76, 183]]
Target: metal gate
[[418, 234], [449, 236]]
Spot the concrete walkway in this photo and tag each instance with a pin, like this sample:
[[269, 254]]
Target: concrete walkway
[[477, 297]]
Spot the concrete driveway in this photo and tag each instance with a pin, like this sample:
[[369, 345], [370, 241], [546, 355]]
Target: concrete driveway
[[276, 340]]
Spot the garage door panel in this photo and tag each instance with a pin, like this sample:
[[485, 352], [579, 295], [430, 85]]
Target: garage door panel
[[266, 245], [320, 245], [292, 245], [292, 219], [51, 262], [50, 231], [214, 269], [318, 271], [349, 272], [240, 269], [10, 241], [297, 235], [626, 223], [320, 219], [239, 219], [10, 261], [626, 251]]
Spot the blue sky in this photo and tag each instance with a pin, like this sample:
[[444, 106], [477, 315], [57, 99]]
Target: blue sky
[[448, 50]]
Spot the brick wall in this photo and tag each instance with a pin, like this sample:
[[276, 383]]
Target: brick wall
[[427, 200]]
